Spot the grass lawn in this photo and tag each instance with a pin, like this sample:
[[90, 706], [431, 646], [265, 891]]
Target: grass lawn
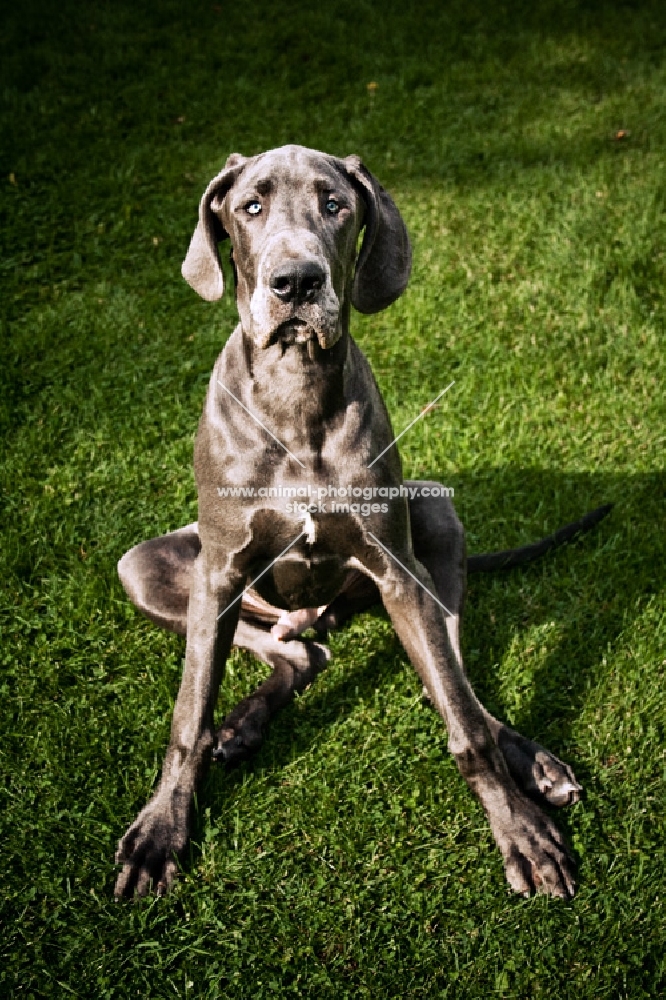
[[525, 144]]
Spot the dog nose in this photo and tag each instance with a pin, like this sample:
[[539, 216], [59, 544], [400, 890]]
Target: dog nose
[[297, 281]]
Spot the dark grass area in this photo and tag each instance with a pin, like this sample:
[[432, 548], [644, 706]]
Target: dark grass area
[[525, 147]]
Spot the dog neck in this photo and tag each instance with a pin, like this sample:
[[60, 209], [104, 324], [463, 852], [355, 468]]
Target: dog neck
[[298, 386]]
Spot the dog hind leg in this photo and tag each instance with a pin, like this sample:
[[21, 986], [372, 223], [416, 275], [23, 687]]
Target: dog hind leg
[[294, 665], [157, 575]]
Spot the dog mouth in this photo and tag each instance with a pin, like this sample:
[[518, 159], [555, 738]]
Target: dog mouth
[[296, 332]]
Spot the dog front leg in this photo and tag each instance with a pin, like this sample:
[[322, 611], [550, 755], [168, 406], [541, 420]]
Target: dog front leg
[[535, 856], [158, 836]]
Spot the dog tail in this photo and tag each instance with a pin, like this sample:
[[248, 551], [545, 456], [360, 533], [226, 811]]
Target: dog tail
[[509, 558]]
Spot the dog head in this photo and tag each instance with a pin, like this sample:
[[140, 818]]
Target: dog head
[[294, 216]]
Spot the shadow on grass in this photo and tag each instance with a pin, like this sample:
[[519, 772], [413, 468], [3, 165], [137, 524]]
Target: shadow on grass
[[592, 591]]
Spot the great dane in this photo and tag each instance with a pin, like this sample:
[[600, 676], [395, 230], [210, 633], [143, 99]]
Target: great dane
[[292, 407]]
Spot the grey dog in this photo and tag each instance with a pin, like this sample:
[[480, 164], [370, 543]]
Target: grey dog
[[293, 400]]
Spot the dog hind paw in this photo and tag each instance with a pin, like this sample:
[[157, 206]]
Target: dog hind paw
[[537, 772], [242, 732]]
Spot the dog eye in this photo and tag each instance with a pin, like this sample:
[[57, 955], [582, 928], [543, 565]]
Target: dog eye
[[332, 206], [253, 208]]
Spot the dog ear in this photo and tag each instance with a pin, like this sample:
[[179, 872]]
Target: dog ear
[[385, 260], [201, 267]]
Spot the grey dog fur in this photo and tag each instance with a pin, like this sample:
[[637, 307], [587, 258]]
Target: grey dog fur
[[318, 417]]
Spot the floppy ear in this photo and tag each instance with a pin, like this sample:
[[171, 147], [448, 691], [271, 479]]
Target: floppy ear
[[385, 260], [201, 267]]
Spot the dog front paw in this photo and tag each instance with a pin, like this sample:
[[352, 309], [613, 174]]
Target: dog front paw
[[536, 858], [149, 851]]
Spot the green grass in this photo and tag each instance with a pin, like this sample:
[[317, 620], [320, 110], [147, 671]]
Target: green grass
[[348, 859]]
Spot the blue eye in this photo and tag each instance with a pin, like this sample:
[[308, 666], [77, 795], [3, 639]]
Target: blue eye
[[332, 206], [253, 208]]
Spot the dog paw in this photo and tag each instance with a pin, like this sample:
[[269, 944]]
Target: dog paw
[[291, 623], [242, 732], [536, 771], [148, 852], [536, 859]]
